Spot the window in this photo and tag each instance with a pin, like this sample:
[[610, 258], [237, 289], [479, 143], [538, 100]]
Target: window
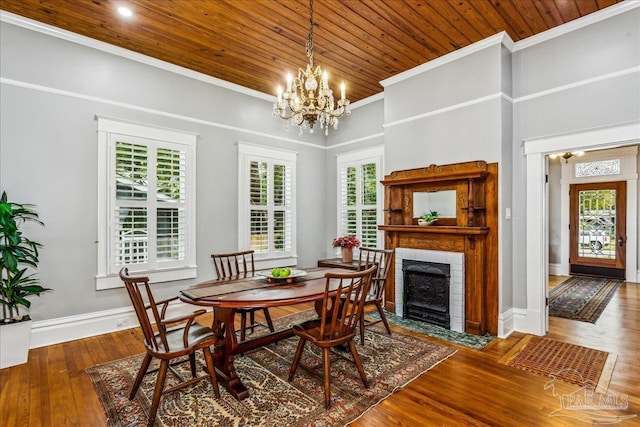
[[146, 202], [266, 202], [359, 195], [598, 168]]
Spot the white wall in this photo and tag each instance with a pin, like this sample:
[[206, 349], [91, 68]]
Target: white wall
[[52, 89], [584, 79]]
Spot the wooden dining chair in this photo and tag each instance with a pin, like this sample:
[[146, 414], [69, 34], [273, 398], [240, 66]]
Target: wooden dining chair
[[172, 339], [337, 323], [239, 265], [382, 258]]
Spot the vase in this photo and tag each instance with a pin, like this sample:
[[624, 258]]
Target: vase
[[347, 255]]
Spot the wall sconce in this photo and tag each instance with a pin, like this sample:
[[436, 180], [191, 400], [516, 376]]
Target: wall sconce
[[567, 155]]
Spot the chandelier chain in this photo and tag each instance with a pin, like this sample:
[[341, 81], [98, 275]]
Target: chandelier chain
[[309, 44]]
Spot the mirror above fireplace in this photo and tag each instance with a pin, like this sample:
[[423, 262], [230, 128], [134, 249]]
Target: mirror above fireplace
[[443, 202]]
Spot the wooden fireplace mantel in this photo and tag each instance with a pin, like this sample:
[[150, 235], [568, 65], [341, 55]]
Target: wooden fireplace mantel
[[474, 231]]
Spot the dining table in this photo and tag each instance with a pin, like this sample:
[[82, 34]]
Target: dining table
[[260, 290]]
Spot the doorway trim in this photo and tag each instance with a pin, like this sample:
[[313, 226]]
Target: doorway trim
[[537, 248], [629, 159]]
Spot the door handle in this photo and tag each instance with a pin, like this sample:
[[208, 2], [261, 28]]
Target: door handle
[[620, 241]]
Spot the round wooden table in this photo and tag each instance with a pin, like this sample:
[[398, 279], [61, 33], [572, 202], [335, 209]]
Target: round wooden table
[[227, 296]]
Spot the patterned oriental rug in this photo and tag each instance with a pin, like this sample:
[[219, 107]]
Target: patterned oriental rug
[[582, 298], [560, 360], [390, 363]]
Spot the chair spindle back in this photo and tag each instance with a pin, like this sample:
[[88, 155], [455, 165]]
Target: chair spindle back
[[339, 320], [234, 265], [134, 285], [382, 258]]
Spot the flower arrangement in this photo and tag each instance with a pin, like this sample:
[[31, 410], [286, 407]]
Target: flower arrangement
[[346, 242]]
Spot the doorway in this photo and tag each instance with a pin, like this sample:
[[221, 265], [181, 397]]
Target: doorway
[[597, 225], [534, 318]]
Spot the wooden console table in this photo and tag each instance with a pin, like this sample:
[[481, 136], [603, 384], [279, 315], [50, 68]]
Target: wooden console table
[[337, 263]]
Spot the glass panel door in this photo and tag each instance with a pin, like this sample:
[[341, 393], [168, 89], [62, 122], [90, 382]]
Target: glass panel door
[[598, 228]]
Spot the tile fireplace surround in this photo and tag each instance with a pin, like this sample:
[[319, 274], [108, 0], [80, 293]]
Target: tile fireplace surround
[[456, 294]]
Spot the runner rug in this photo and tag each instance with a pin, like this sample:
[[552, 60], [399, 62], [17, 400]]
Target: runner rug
[[582, 298], [560, 360], [390, 363]]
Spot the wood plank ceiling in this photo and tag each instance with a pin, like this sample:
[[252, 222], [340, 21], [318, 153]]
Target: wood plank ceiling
[[253, 43]]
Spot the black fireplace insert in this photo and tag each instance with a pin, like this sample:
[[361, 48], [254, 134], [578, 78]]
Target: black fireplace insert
[[426, 292]]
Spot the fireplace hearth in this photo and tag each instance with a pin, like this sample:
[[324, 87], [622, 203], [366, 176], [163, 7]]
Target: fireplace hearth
[[426, 292]]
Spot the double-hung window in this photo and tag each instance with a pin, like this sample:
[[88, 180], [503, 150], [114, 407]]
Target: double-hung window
[[266, 204], [146, 202], [360, 195]]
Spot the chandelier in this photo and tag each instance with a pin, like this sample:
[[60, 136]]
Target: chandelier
[[567, 155], [308, 98]]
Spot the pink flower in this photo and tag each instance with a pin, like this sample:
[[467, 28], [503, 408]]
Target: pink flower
[[346, 242]]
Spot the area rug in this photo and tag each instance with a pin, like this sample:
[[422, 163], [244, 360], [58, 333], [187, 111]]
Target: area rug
[[476, 342], [390, 363], [582, 298], [567, 362]]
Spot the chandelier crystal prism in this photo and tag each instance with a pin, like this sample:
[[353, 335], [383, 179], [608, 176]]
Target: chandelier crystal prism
[[308, 98]]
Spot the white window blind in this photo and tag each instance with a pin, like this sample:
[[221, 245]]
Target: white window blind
[[360, 196], [149, 174], [267, 182]]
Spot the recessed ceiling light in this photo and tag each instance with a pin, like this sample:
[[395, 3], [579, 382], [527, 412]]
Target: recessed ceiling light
[[124, 11]]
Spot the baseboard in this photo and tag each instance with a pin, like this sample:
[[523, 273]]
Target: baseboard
[[62, 329], [505, 323], [557, 270], [520, 323]]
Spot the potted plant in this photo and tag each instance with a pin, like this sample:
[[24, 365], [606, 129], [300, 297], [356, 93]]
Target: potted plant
[[428, 218], [346, 244], [18, 253]]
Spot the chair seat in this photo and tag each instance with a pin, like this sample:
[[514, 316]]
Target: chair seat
[[310, 330], [197, 335]]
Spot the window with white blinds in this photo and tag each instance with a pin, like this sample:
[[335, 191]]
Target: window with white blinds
[[149, 178], [360, 195], [267, 202]]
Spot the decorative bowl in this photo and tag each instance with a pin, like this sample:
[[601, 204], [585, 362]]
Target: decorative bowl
[[422, 222]]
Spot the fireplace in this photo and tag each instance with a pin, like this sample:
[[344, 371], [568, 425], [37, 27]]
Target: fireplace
[[426, 292], [456, 272]]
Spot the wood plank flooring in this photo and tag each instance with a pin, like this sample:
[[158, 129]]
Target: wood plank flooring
[[469, 389]]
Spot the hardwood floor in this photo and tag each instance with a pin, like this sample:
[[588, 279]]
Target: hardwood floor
[[470, 388]]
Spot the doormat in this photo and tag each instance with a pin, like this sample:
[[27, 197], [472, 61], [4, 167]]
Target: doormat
[[390, 362], [567, 362], [582, 298]]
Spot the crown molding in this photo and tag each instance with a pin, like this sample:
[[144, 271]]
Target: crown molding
[[52, 31], [500, 38], [576, 24]]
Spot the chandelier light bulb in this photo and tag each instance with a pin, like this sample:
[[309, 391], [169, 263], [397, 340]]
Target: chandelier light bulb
[[308, 98]]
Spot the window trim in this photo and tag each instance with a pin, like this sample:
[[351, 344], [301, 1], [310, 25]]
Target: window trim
[[106, 127], [357, 158], [246, 153]]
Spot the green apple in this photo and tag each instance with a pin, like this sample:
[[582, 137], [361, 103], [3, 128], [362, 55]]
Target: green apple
[[285, 272], [276, 272]]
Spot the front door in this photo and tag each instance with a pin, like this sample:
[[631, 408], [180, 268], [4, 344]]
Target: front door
[[598, 229]]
